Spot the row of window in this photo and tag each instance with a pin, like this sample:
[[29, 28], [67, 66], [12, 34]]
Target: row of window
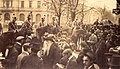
[[21, 17], [30, 4]]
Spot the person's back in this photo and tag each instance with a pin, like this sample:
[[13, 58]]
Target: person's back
[[12, 26], [31, 62], [26, 52]]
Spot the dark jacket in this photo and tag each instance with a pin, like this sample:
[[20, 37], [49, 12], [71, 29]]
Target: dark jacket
[[26, 28], [11, 59], [72, 63], [31, 62], [12, 26], [101, 59], [52, 58]]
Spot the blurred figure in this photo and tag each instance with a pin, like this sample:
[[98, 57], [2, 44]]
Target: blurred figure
[[68, 60], [51, 52], [80, 58], [26, 52], [32, 61], [92, 41], [12, 26], [88, 61], [1, 28], [10, 60], [26, 28]]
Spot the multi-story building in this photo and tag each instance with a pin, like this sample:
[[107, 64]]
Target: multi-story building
[[21, 9]]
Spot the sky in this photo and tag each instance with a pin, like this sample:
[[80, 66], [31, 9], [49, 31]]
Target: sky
[[109, 4]]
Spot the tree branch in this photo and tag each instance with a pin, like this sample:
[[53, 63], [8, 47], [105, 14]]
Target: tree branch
[[55, 7], [85, 10]]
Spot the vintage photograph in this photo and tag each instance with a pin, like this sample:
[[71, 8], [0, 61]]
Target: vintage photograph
[[59, 34]]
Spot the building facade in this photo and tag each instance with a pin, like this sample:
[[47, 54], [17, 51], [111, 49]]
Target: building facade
[[21, 9]]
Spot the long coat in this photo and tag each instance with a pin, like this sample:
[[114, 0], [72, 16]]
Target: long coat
[[101, 59], [31, 62], [11, 59], [52, 58], [72, 63], [20, 57]]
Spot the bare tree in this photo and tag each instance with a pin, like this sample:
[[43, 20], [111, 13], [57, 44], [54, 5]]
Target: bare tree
[[105, 14], [73, 4], [58, 7]]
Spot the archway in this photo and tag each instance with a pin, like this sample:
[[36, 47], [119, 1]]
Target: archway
[[6, 17], [38, 18]]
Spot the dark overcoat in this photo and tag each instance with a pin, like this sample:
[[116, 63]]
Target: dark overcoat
[[52, 58], [31, 62], [11, 59]]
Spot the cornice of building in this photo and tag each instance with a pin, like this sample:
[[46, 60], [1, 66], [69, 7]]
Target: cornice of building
[[17, 9]]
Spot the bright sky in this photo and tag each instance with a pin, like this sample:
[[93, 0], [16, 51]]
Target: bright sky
[[109, 4]]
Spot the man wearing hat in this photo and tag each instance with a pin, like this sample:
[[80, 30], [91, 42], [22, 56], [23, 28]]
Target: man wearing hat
[[68, 60], [88, 61], [32, 61], [11, 58], [12, 26], [51, 52], [27, 26], [26, 52]]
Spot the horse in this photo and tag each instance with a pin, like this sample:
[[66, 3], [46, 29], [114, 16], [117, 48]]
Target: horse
[[6, 39], [42, 30]]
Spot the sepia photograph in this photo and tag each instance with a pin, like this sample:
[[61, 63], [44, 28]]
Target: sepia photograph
[[59, 34]]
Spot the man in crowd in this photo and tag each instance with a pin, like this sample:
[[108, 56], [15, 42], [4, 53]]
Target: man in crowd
[[1, 28], [92, 41], [10, 60], [88, 61], [12, 26], [68, 60], [26, 28], [26, 52], [51, 52], [32, 61]]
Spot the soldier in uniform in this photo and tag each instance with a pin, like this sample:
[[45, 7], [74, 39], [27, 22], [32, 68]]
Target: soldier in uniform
[[12, 26], [26, 28]]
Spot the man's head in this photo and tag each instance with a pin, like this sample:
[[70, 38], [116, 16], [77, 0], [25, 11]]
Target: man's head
[[29, 17], [88, 58], [14, 19], [36, 45], [26, 47], [67, 53]]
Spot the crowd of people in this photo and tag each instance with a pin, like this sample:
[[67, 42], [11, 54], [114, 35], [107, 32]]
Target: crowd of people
[[93, 46]]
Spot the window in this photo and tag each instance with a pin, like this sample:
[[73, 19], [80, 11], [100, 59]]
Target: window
[[30, 4], [38, 4], [22, 4]]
